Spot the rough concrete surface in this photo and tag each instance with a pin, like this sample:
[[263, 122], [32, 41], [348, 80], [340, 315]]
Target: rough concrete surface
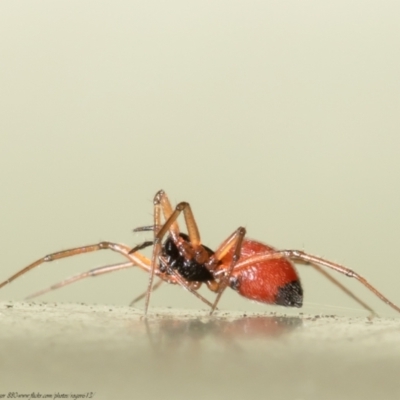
[[107, 352]]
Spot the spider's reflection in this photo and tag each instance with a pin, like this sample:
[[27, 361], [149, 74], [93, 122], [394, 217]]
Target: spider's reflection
[[172, 334]]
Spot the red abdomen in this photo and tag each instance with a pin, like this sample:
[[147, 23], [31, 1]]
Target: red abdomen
[[272, 280]]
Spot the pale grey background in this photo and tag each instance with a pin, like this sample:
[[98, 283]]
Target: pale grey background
[[279, 116]]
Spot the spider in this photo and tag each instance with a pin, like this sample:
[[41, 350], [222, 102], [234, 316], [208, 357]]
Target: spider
[[254, 270]]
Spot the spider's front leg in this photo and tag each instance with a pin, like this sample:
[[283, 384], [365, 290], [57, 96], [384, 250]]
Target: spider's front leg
[[163, 205]]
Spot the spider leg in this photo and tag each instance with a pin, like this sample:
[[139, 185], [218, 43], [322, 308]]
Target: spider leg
[[136, 258], [91, 273], [176, 279], [235, 241], [193, 231], [146, 228], [143, 295], [344, 289], [162, 204], [159, 199], [317, 263], [141, 246], [314, 260], [191, 287]]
